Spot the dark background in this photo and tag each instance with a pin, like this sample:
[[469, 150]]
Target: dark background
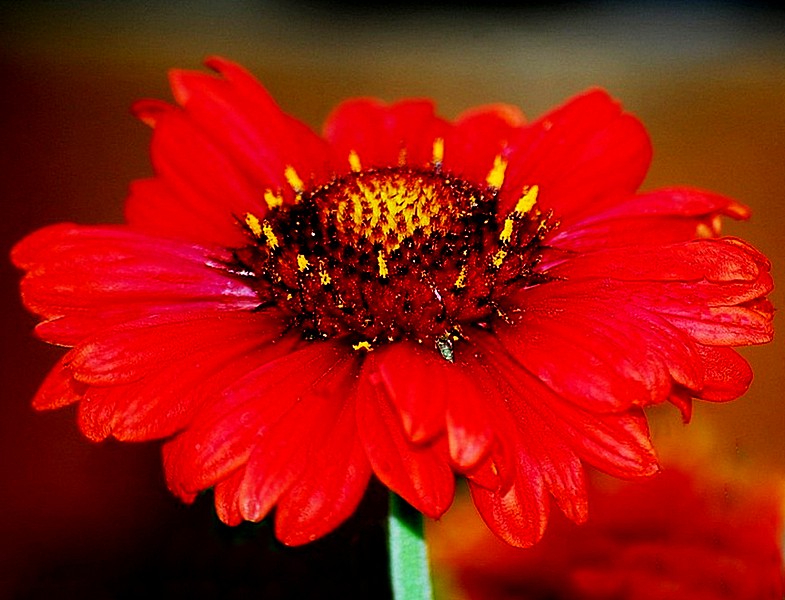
[[87, 520]]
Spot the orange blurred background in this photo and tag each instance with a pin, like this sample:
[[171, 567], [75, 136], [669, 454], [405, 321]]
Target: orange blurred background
[[87, 520]]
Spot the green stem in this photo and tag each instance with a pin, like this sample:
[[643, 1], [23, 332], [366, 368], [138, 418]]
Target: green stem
[[409, 570]]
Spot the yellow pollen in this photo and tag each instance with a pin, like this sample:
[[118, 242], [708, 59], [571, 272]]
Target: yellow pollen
[[461, 279], [364, 345], [498, 258], [438, 151], [383, 272], [324, 278], [272, 199], [302, 263], [528, 200], [495, 177], [354, 162], [253, 224], [272, 241], [294, 179]]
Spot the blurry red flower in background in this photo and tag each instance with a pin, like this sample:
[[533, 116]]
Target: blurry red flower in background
[[404, 297], [683, 535]]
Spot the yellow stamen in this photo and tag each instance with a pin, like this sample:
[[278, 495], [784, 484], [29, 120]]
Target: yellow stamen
[[402, 157], [302, 263], [528, 200], [383, 272], [324, 277], [253, 224], [294, 179], [461, 280], [438, 151], [498, 258], [364, 345], [272, 241], [504, 236], [495, 177], [272, 199], [354, 162]]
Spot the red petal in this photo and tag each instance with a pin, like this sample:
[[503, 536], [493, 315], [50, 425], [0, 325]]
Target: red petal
[[418, 473], [95, 413], [226, 493], [216, 157], [132, 350], [418, 383], [711, 289], [519, 515], [240, 116], [716, 260], [543, 447], [712, 313], [470, 431], [306, 150], [379, 133], [618, 444], [583, 155], [728, 375], [155, 208], [226, 429], [158, 404], [655, 218], [282, 452], [477, 138], [58, 389], [329, 489], [205, 179], [604, 355], [728, 314], [581, 365], [89, 278]]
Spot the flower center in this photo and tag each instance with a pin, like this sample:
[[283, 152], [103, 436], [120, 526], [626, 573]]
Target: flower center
[[382, 254]]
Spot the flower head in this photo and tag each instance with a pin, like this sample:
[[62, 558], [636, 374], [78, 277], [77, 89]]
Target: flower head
[[404, 297]]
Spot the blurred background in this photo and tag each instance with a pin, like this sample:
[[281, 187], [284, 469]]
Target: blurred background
[[87, 520]]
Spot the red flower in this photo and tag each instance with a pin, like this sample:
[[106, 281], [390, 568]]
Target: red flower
[[405, 296], [676, 536]]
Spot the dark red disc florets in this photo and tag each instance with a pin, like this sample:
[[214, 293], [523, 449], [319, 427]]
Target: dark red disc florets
[[399, 252]]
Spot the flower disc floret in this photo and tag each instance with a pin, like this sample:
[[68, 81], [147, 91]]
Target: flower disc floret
[[382, 254]]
